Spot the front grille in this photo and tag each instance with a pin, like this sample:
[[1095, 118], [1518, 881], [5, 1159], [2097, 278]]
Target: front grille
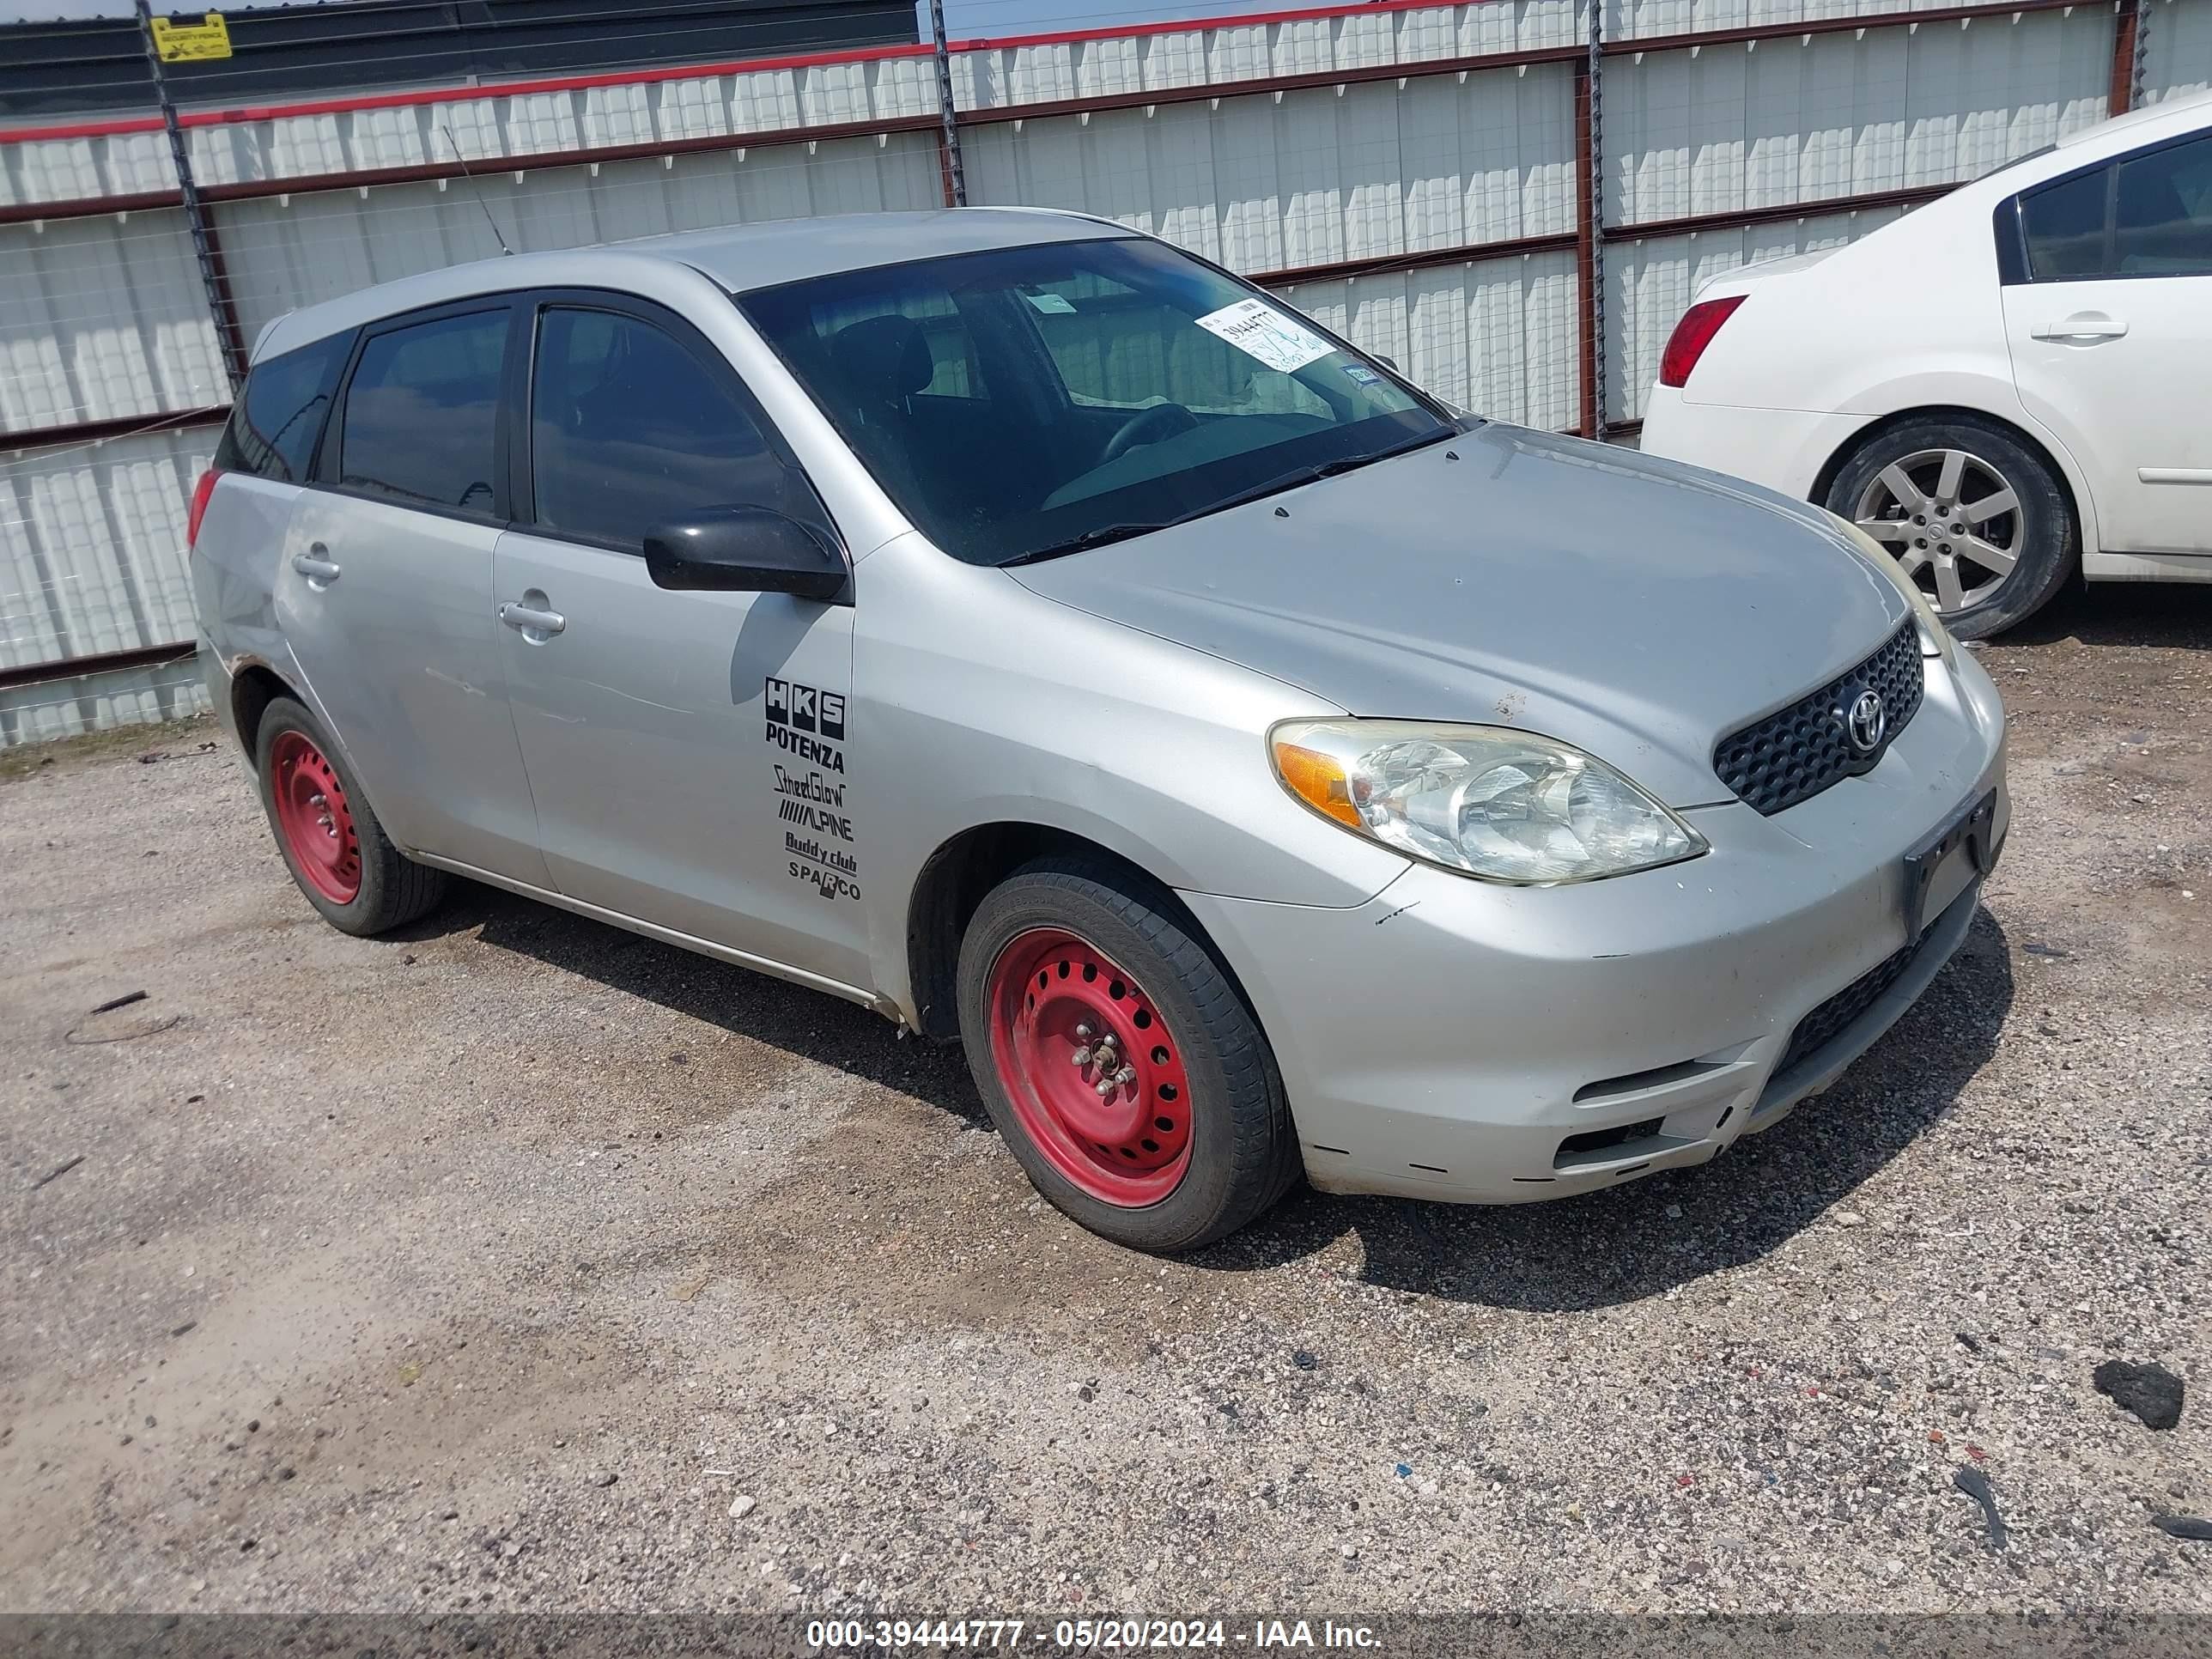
[[1795, 753], [1827, 1022]]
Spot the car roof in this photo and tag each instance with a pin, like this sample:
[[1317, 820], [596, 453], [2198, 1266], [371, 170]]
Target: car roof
[[739, 257]]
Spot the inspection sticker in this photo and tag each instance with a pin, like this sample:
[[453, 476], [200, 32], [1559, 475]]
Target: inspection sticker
[[1258, 329]]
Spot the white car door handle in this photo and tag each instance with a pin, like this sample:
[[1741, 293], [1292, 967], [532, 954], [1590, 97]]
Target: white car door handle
[[2083, 326], [530, 620], [320, 572]]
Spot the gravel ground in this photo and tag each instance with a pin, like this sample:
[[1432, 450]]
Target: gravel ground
[[520, 1263]]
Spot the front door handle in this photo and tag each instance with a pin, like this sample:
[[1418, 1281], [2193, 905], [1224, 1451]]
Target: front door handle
[[320, 572], [529, 619], [2082, 325]]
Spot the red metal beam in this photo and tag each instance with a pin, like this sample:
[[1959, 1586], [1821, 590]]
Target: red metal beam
[[1458, 253], [1775, 213], [1315, 81], [88, 432], [16, 213], [70, 668], [1587, 343], [1982, 8], [2126, 21], [641, 76]]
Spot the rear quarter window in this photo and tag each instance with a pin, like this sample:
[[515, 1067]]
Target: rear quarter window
[[278, 416]]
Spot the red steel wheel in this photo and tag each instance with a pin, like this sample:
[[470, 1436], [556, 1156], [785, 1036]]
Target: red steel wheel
[[1091, 1070], [311, 812]]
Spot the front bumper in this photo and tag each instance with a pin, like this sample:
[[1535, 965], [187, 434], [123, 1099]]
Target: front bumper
[[1456, 1040]]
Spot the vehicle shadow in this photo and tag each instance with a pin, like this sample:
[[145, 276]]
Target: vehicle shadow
[[2170, 615], [807, 1023], [1616, 1246]]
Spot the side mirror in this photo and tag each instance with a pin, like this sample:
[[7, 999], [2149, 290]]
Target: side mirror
[[1390, 363], [743, 550]]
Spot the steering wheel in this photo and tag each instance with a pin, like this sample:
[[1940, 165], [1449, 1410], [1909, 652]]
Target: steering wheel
[[1148, 426]]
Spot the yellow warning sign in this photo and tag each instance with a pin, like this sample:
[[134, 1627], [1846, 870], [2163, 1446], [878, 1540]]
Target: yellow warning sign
[[192, 43]]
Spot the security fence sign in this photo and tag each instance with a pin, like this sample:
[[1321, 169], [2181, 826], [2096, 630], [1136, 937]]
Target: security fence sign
[[182, 42]]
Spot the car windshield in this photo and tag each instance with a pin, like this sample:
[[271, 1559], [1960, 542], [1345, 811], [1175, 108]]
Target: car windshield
[[1029, 401]]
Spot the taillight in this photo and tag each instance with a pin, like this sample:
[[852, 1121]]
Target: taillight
[[1691, 336], [201, 491]]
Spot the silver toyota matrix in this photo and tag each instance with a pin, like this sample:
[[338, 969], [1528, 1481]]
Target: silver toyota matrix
[[1032, 632]]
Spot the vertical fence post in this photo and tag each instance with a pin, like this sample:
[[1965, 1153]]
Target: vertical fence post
[[1589, 227], [2135, 56], [948, 141], [2120, 96], [213, 277]]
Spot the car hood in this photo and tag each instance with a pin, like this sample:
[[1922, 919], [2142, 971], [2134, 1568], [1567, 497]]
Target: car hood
[[1635, 607]]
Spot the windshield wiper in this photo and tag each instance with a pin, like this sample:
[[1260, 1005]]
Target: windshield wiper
[[1314, 474], [1097, 538], [1275, 486]]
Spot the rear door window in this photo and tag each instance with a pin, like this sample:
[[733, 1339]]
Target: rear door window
[[2065, 228], [2145, 215], [2162, 212], [421, 421], [272, 430]]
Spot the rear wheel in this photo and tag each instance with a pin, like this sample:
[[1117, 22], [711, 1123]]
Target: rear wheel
[[331, 841], [1975, 516], [1118, 1060]]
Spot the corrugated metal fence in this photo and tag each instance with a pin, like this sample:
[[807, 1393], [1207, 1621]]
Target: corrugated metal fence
[[1512, 204]]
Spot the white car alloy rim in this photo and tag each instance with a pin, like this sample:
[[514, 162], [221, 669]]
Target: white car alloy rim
[[1952, 519]]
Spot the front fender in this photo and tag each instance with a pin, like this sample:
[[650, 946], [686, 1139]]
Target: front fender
[[977, 702]]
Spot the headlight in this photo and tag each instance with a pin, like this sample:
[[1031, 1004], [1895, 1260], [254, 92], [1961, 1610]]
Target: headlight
[[1935, 638], [1485, 800]]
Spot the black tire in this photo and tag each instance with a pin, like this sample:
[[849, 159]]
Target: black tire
[[393, 889], [1244, 1149], [2046, 540]]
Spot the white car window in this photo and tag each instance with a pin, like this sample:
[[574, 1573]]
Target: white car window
[[2162, 212], [2146, 215]]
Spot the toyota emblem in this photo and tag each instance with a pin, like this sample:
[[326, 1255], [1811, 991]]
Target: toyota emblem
[[1867, 722]]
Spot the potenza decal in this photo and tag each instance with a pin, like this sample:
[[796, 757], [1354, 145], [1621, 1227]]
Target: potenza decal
[[808, 724]]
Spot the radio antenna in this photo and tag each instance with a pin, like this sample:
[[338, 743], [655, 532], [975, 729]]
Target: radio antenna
[[473, 191]]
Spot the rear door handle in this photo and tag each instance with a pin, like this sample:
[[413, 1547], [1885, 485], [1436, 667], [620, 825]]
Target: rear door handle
[[2082, 325], [320, 572], [529, 619]]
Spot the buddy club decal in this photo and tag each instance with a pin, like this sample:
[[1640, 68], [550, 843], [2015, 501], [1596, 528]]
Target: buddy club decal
[[808, 724]]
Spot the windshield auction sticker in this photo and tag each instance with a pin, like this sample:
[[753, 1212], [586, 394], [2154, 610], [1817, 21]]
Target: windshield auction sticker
[[1258, 329]]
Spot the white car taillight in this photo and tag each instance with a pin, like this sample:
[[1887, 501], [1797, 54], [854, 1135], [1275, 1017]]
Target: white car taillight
[[1691, 336]]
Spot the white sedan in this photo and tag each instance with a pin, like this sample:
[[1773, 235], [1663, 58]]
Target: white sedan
[[2009, 384]]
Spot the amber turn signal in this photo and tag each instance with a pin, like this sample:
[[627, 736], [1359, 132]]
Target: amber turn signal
[[1317, 779]]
